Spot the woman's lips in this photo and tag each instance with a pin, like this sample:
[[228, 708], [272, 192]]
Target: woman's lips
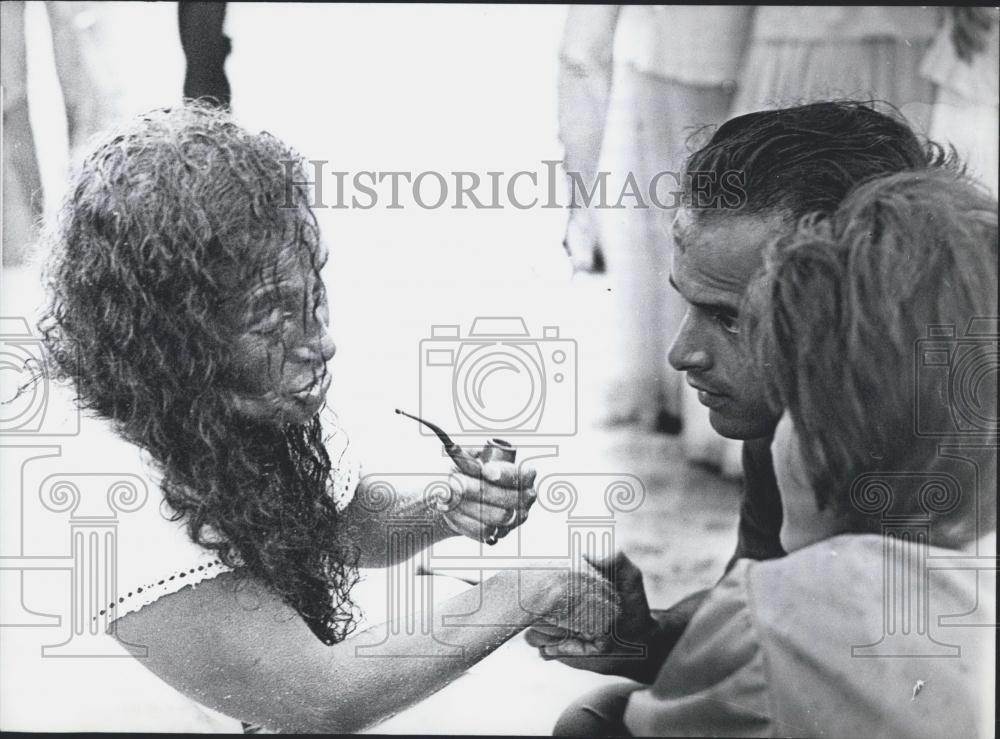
[[316, 389]]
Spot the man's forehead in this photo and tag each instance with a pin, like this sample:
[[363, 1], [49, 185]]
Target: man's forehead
[[721, 253]]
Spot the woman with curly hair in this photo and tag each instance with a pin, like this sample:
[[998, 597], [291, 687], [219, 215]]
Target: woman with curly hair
[[186, 305]]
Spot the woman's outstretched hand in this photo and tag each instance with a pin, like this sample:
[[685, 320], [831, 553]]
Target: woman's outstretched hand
[[634, 625], [493, 503]]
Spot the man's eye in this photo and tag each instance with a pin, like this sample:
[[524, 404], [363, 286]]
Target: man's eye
[[729, 321]]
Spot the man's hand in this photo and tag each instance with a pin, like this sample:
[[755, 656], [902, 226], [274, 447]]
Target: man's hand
[[497, 501], [634, 625]]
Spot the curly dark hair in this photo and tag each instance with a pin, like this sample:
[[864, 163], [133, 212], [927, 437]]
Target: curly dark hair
[[164, 225]]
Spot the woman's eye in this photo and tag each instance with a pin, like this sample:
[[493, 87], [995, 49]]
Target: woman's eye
[[728, 321], [274, 321]]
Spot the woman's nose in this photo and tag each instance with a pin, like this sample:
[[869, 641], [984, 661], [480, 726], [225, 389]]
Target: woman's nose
[[327, 347], [321, 348]]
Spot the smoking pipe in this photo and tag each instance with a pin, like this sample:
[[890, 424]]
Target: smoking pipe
[[471, 465]]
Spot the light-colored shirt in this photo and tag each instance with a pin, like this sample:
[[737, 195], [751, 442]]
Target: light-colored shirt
[[816, 644]]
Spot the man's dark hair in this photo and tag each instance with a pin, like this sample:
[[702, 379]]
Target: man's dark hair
[[804, 159]]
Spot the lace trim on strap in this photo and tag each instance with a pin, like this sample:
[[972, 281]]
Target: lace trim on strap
[[134, 600], [343, 484]]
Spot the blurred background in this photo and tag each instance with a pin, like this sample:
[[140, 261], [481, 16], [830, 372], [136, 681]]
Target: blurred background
[[485, 88]]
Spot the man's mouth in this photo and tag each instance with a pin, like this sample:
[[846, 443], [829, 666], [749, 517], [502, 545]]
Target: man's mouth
[[708, 397]]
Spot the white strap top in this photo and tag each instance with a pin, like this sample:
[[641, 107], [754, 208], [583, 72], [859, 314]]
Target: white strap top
[[155, 555]]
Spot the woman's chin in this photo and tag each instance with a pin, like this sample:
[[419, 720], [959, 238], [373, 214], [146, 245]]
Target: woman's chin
[[300, 410], [295, 409]]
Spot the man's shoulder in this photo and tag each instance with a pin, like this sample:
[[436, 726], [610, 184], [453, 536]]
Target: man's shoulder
[[836, 591]]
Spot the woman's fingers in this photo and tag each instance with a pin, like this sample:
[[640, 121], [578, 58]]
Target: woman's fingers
[[488, 514], [466, 525], [501, 484], [475, 489], [487, 506]]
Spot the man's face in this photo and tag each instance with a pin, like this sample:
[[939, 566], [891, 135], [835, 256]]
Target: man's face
[[282, 341], [712, 266]]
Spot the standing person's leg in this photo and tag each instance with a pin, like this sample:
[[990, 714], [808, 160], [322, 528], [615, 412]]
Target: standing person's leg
[[677, 114], [205, 50], [671, 113], [646, 312], [22, 191], [629, 300], [86, 83]]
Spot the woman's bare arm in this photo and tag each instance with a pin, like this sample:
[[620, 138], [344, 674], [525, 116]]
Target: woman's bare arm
[[502, 490], [241, 651]]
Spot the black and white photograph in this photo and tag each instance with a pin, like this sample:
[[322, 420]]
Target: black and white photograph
[[499, 369]]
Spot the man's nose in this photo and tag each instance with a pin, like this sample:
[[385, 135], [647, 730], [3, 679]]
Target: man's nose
[[687, 353]]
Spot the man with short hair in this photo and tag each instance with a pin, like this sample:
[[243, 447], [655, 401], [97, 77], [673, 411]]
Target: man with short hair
[[789, 163]]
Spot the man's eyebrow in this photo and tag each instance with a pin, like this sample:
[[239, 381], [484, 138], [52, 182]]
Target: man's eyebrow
[[704, 305]]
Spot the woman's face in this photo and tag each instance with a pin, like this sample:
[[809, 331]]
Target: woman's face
[[282, 341], [802, 523]]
